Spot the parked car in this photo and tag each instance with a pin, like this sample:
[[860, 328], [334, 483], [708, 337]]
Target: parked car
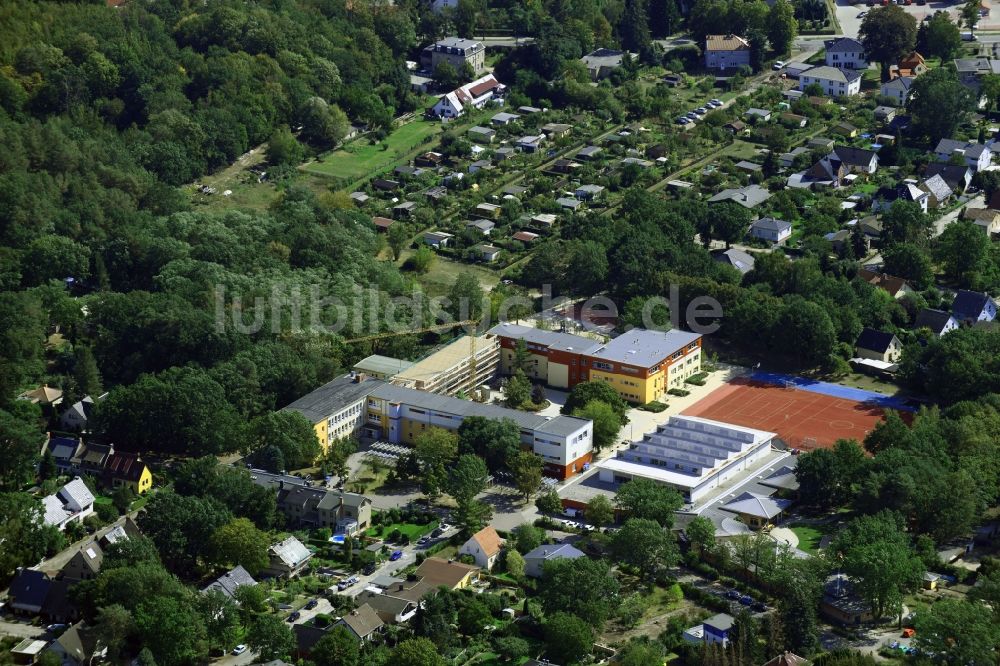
[[56, 627], [701, 110], [746, 600], [346, 583], [733, 594], [778, 64], [295, 615], [438, 532], [396, 554], [862, 14], [759, 606], [717, 102], [370, 568], [239, 649], [683, 120], [312, 603], [423, 540]]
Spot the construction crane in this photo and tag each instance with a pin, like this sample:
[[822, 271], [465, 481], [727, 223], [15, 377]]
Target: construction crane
[[473, 368]]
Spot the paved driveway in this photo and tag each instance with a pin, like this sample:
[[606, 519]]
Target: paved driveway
[[847, 13]]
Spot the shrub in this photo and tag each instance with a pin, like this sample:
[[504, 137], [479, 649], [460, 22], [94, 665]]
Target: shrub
[[653, 406], [679, 392]]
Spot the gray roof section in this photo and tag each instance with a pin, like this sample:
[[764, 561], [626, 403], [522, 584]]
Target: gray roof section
[[935, 320], [771, 224], [557, 425], [332, 396], [757, 505], [898, 85], [383, 365], [949, 146], [554, 552], [843, 45], [228, 582], [550, 339], [748, 197], [833, 74], [738, 259], [722, 622], [291, 552], [644, 348]]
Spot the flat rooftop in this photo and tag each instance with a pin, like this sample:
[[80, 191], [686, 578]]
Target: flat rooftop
[[383, 365], [643, 347], [453, 354], [333, 396], [550, 339]]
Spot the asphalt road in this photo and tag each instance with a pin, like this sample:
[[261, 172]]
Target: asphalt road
[[20, 630]]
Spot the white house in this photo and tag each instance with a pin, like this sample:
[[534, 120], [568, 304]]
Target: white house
[[73, 502], [898, 90], [726, 52], [845, 53], [834, 82], [771, 230], [976, 155], [475, 94], [484, 547], [938, 322]]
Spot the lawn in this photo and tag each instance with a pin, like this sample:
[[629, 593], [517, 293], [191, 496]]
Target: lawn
[[809, 536], [438, 280], [412, 530], [361, 158]]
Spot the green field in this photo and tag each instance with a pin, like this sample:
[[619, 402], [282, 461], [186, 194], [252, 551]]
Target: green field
[[809, 536], [411, 530], [361, 158]]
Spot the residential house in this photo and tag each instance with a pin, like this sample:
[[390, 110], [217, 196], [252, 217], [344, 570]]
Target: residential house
[[27, 592], [771, 230], [845, 53], [489, 210], [455, 51], [755, 510], [896, 286], [504, 153], [288, 559], [44, 395], [793, 70], [406, 172], [363, 623], [878, 346], [856, 160], [484, 547], [76, 417], [714, 630], [976, 155], [534, 560], [987, 219], [556, 130], [85, 563], [749, 167], [437, 239], [316, 506], [885, 197], [871, 227], [504, 118], [487, 253], [436, 194], [726, 52], [756, 115], [937, 322], [482, 134], [971, 70], [78, 646], [565, 166], [435, 572], [750, 196], [939, 193], [898, 90], [475, 95], [910, 66], [230, 581], [738, 259], [127, 470], [482, 226], [123, 531], [92, 459], [63, 450], [601, 62], [958, 177], [834, 82], [390, 605], [73, 503], [973, 306], [588, 152], [839, 240], [787, 160], [588, 192]]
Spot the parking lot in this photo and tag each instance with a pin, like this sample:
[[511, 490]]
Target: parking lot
[[850, 22]]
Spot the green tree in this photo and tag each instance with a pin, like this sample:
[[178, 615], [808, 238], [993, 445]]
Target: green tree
[[797, 610], [782, 27], [270, 637], [580, 586], [905, 222], [422, 259], [970, 14], [289, 432], [182, 527], [467, 477], [549, 502], [883, 572], [397, 236], [466, 298], [939, 103], [240, 542], [283, 149], [416, 652], [114, 626], [515, 564], [88, 377], [966, 255], [568, 638], [957, 632], [435, 449], [606, 423], [942, 36], [700, 532], [600, 511], [336, 456], [338, 647], [586, 392], [644, 544], [640, 653], [323, 124], [21, 439], [221, 618], [642, 498], [526, 537], [446, 76], [910, 262], [517, 391], [888, 34], [527, 470], [497, 441]]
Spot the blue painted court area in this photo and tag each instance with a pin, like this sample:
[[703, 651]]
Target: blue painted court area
[[832, 390]]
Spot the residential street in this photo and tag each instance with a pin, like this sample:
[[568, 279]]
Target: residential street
[[20, 630]]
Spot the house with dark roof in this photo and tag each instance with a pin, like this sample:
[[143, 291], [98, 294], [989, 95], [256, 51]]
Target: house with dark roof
[[973, 306], [938, 191], [391, 609], [937, 322], [363, 623], [230, 581], [987, 219], [63, 450], [885, 197], [738, 259], [601, 62], [957, 177], [75, 418], [750, 196], [898, 90], [835, 82], [896, 286], [845, 53], [771, 230], [435, 572], [85, 563], [27, 592], [534, 560], [878, 346], [842, 605], [975, 155], [122, 469], [78, 646], [713, 630]]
